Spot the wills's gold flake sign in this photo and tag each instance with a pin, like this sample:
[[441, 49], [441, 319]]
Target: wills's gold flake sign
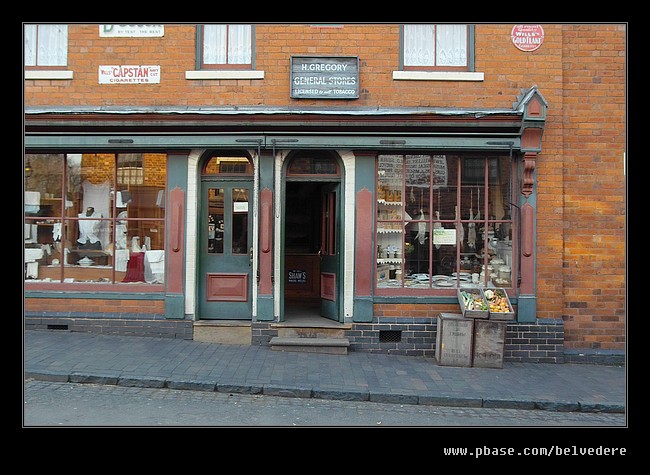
[[527, 37]]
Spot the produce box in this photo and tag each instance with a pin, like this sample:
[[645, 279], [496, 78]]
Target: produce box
[[489, 343], [499, 304], [472, 303], [454, 339]]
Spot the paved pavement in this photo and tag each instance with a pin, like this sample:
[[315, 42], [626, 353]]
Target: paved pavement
[[358, 376]]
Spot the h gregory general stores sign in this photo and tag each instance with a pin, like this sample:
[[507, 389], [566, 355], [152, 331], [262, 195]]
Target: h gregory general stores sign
[[324, 77]]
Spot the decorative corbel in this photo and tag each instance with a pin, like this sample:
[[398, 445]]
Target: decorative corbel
[[529, 167]]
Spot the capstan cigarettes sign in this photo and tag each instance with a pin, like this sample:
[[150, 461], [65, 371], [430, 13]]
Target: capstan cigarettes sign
[[129, 74], [527, 37]]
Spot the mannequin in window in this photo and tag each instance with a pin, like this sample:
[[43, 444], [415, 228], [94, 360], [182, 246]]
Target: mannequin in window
[[88, 230]]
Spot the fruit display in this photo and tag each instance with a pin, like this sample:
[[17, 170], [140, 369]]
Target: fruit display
[[499, 304]]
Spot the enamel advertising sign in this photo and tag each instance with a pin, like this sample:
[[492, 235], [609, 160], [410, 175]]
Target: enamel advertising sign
[[527, 37], [131, 31], [129, 74]]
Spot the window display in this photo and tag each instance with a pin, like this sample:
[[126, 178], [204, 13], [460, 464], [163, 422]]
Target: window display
[[87, 219], [443, 221]]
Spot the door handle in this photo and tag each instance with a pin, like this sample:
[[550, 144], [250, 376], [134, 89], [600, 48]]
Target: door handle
[[250, 257], [320, 255]]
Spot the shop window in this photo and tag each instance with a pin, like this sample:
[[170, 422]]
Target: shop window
[[46, 46], [226, 46], [438, 229], [436, 47], [90, 219]]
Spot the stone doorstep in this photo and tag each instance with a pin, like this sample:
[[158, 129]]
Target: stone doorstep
[[310, 332], [233, 333], [334, 346]]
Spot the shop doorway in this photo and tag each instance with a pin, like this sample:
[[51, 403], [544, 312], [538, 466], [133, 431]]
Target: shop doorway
[[311, 246], [225, 241]]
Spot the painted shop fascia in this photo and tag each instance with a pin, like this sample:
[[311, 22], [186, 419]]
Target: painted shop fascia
[[270, 135]]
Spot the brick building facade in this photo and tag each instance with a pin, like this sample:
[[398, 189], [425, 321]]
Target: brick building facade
[[556, 114]]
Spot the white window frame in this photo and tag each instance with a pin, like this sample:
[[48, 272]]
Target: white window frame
[[425, 62], [46, 46], [227, 46], [231, 53], [39, 42]]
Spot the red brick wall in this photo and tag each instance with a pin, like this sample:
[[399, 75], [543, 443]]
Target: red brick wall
[[94, 306], [506, 69], [579, 69], [594, 191]]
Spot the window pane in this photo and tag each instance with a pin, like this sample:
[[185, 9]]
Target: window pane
[[52, 45], [30, 45], [390, 224], [500, 244], [312, 166], [240, 209], [215, 220], [214, 44], [451, 45], [43, 181], [239, 44], [419, 45], [130, 169], [228, 166]]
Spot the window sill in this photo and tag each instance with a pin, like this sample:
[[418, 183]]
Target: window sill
[[437, 76], [48, 75], [224, 74]]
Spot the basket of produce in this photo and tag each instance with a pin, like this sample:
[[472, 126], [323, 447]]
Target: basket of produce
[[472, 303], [499, 304]]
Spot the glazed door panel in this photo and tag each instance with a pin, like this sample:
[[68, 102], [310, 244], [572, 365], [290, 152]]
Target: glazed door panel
[[330, 252], [225, 251]]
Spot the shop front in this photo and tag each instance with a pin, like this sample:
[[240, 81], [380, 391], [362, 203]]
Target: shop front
[[372, 219]]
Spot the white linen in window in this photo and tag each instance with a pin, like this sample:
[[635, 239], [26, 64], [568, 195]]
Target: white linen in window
[[451, 45], [418, 45], [435, 45], [227, 44], [32, 201], [46, 45], [154, 267], [30, 45], [98, 197]]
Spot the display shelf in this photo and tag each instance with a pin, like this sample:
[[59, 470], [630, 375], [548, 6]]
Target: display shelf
[[389, 260], [389, 231], [389, 203]]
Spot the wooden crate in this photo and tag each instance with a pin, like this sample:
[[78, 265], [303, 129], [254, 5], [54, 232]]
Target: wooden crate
[[470, 312], [489, 342], [509, 315], [454, 340]]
